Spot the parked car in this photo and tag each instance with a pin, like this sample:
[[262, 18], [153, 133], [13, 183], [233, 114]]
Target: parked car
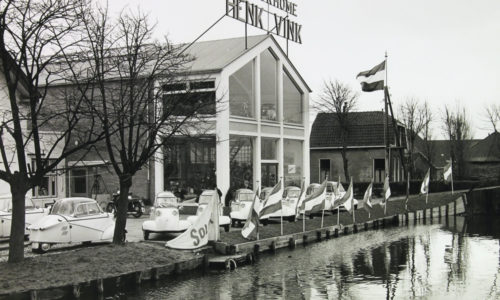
[[240, 206], [32, 214], [135, 208], [72, 220], [168, 215], [203, 201]]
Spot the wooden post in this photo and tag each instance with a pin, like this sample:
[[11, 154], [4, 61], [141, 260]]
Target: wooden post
[[76, 291], [100, 287], [318, 235]]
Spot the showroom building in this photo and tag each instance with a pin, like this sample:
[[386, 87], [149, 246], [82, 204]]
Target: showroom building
[[260, 131]]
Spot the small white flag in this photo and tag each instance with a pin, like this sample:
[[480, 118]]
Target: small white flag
[[424, 188], [447, 171]]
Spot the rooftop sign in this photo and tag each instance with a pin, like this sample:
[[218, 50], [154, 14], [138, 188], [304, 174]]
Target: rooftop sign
[[252, 14]]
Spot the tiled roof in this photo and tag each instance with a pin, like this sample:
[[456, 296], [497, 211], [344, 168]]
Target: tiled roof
[[365, 129], [486, 150]]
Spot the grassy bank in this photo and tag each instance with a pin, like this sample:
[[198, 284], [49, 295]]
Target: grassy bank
[[394, 207]]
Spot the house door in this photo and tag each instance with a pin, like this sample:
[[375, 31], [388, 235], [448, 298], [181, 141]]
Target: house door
[[269, 174]]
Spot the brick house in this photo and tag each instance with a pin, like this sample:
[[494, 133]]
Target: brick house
[[365, 147]]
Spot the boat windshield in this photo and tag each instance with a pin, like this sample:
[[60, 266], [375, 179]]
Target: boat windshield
[[293, 193], [245, 197], [205, 199], [6, 204], [166, 201]]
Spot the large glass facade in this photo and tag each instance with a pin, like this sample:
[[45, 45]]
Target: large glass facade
[[292, 101], [241, 162], [241, 92], [189, 165], [268, 87], [292, 163]]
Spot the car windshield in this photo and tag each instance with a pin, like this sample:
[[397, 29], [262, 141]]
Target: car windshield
[[205, 199], [311, 190], [65, 208], [245, 197], [166, 201], [292, 193]]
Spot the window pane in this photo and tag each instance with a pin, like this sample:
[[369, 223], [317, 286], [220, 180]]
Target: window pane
[[183, 104], [241, 162], [241, 100], [80, 181], [268, 91], [198, 85], [268, 148], [292, 162], [189, 165], [292, 101]]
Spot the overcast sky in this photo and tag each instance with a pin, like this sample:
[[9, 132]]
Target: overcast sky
[[443, 51]]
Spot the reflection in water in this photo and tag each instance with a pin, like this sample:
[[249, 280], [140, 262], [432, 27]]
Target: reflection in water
[[457, 259]]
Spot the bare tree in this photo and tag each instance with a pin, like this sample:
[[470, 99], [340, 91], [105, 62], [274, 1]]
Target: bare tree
[[458, 131], [493, 115], [411, 115], [339, 99], [33, 36], [130, 70]]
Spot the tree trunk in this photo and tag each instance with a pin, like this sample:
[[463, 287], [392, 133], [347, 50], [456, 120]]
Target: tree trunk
[[16, 242], [122, 209], [345, 163]]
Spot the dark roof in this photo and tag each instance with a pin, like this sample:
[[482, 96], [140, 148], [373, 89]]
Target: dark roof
[[486, 150], [441, 151], [365, 129]]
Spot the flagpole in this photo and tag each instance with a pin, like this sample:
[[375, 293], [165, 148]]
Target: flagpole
[[258, 221], [304, 220], [338, 215], [281, 217], [451, 165], [407, 190]]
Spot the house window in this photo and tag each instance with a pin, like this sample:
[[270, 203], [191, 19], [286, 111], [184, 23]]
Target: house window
[[181, 99], [241, 95], [48, 187], [324, 169], [379, 169], [79, 181]]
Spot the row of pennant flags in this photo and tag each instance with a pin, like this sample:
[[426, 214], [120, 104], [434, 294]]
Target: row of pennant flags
[[206, 227], [316, 202]]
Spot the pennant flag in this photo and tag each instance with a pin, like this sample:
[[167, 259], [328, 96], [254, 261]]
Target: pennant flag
[[387, 191], [424, 188], [373, 79], [196, 235], [316, 201], [346, 200], [252, 224], [302, 196], [367, 204], [447, 171], [272, 203]]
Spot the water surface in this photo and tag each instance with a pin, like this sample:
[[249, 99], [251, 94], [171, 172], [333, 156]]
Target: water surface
[[459, 259]]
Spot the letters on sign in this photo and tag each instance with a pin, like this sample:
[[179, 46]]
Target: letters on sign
[[199, 234], [252, 14]]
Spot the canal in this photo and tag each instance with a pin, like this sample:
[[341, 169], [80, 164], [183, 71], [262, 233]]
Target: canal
[[455, 260]]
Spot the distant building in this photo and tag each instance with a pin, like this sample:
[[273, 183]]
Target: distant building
[[365, 147]]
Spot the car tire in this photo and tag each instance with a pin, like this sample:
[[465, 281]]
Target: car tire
[[226, 228], [291, 219], [38, 250], [311, 216], [137, 211], [145, 234], [265, 222]]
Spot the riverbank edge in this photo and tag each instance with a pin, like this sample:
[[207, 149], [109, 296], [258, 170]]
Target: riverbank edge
[[226, 254]]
